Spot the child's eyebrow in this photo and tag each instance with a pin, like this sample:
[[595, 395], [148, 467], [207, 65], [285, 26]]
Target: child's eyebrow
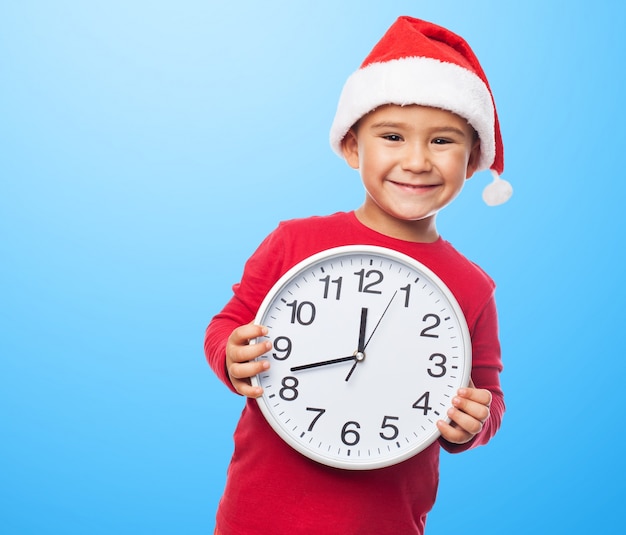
[[389, 124], [451, 130]]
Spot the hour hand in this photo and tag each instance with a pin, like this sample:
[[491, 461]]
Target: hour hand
[[322, 363], [357, 356]]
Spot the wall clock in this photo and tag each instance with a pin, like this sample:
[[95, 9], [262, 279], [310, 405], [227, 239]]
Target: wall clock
[[369, 347]]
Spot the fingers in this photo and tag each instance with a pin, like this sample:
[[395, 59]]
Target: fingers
[[452, 434], [474, 402], [467, 416], [240, 355]]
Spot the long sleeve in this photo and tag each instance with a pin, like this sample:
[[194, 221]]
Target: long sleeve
[[261, 271], [486, 368]]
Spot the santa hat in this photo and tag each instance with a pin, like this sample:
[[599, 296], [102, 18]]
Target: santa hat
[[417, 62]]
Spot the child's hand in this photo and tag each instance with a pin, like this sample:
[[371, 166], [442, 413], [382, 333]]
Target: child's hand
[[240, 353], [470, 412]]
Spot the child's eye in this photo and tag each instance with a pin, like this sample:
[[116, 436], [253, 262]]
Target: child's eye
[[392, 137], [441, 141]]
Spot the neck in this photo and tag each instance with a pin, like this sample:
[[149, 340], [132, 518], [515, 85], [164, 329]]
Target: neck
[[422, 230]]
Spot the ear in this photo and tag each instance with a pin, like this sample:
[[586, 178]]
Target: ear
[[350, 149], [472, 162]]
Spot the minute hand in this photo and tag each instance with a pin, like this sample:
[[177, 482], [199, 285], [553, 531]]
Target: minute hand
[[360, 350], [380, 319], [322, 363], [362, 346]]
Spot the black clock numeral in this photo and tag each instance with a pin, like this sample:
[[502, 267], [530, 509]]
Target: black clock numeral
[[406, 289], [442, 369], [303, 313], [282, 344], [327, 282], [389, 427], [434, 325], [422, 403], [377, 277], [289, 392], [319, 415], [350, 437]]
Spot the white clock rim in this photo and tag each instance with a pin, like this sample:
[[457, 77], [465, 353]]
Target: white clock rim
[[306, 263]]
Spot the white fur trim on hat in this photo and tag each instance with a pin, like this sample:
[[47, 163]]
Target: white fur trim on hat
[[423, 81]]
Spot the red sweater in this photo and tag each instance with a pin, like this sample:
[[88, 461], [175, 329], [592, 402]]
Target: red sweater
[[271, 489]]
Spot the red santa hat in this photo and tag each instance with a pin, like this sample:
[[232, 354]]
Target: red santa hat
[[417, 62]]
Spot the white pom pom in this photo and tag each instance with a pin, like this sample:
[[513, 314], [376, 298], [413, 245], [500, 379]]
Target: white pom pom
[[498, 192]]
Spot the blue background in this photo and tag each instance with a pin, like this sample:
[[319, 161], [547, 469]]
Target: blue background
[[145, 150]]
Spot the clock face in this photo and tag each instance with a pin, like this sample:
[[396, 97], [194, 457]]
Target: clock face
[[368, 349]]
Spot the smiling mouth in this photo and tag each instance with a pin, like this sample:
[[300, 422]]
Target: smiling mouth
[[414, 187]]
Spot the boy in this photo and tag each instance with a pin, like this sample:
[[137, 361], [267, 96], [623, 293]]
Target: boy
[[417, 120]]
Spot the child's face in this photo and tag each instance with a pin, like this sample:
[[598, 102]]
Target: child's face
[[413, 161]]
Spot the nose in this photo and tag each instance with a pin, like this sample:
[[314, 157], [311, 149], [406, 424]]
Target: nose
[[416, 159]]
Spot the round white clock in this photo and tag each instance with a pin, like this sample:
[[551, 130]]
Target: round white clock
[[369, 347]]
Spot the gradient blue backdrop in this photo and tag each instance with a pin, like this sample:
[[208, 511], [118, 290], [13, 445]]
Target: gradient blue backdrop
[[145, 150]]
